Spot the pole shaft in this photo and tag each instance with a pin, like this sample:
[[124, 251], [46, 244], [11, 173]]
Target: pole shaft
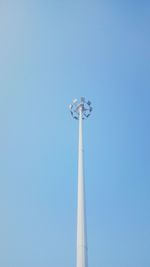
[[81, 211]]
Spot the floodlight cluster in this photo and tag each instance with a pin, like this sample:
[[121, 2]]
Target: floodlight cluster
[[84, 105]]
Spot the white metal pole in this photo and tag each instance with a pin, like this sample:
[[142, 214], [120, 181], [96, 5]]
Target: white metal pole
[[82, 260], [81, 110]]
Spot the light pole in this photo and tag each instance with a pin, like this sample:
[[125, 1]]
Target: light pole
[[81, 110]]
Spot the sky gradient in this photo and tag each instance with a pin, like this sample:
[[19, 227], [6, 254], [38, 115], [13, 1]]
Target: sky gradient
[[50, 53]]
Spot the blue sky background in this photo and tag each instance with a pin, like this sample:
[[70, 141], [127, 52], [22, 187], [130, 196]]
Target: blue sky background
[[50, 53]]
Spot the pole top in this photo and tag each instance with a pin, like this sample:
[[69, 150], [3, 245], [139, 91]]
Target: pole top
[[82, 104]]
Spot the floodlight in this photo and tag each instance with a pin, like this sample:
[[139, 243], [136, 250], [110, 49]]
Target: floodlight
[[83, 105], [75, 117], [75, 101], [89, 103], [83, 99]]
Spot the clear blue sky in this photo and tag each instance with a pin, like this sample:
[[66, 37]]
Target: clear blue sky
[[50, 53]]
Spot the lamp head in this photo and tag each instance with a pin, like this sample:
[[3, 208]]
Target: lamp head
[[84, 105]]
